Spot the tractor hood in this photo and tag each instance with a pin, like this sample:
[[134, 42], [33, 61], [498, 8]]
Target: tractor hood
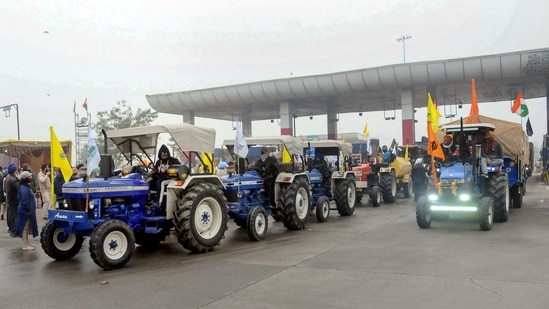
[[248, 180], [456, 171], [131, 185]]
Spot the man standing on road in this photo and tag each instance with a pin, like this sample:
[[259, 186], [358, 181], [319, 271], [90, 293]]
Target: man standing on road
[[44, 184], [12, 201]]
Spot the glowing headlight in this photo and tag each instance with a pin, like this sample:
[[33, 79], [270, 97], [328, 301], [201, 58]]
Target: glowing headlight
[[433, 197], [91, 205], [464, 197]]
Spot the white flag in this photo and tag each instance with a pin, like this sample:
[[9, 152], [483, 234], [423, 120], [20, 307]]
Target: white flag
[[240, 147], [93, 152]]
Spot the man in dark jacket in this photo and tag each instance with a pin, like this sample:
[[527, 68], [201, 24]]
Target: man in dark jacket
[[58, 182], [419, 179], [2, 195], [165, 160], [12, 201], [267, 167]]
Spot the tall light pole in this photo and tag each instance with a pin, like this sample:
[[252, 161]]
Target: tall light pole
[[7, 113], [403, 39]]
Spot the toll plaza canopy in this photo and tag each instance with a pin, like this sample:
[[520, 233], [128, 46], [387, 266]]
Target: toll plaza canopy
[[498, 77]]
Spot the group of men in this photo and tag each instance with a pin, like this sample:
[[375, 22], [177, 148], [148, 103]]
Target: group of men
[[457, 147]]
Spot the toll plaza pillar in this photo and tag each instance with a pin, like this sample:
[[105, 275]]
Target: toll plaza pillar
[[331, 121], [408, 119], [188, 117], [286, 119]]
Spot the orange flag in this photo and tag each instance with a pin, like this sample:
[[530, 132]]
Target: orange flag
[[434, 149], [473, 114], [518, 102]]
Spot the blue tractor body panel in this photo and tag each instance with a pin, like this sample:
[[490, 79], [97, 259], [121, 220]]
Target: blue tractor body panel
[[244, 192]]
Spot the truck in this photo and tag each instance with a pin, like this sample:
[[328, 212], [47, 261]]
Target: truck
[[459, 185], [116, 212], [247, 197]]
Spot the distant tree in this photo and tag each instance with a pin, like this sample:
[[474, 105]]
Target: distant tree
[[120, 117]]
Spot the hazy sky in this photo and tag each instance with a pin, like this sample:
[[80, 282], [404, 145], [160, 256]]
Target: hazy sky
[[113, 50]]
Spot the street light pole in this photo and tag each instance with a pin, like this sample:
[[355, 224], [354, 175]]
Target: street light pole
[[7, 109], [403, 39]]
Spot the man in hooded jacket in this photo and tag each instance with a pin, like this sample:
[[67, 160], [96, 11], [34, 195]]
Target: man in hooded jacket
[[165, 160], [12, 201]]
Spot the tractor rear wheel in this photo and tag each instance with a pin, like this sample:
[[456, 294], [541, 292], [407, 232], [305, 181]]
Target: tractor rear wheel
[[112, 244], [498, 190], [345, 196], [200, 218], [58, 244], [388, 187], [486, 213], [294, 205], [322, 209], [257, 223]]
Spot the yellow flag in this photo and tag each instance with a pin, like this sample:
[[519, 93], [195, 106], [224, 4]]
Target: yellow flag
[[207, 158], [286, 158], [343, 138], [58, 157], [432, 113], [406, 153], [366, 131]]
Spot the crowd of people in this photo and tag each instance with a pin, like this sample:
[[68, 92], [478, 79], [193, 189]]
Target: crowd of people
[[22, 192]]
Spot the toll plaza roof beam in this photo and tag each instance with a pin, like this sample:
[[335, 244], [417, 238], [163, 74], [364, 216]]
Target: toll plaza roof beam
[[498, 77]]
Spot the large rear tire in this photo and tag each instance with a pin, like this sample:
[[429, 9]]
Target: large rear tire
[[423, 213], [345, 198], [517, 200], [486, 211], [388, 187], [322, 209], [257, 223], [200, 218], [498, 190], [59, 245], [112, 244], [294, 205]]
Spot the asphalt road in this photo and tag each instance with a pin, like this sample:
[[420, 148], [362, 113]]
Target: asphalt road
[[377, 258]]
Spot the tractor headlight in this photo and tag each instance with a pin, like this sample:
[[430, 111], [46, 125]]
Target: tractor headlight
[[464, 197], [433, 197], [91, 205], [512, 163]]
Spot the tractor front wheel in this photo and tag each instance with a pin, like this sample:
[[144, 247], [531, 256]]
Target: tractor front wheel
[[58, 244], [257, 223], [112, 244], [322, 209]]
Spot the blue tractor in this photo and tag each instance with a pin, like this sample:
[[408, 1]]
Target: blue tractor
[[341, 182], [248, 195], [118, 212], [460, 187]]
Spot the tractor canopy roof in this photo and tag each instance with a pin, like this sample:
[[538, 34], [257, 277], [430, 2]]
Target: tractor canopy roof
[[144, 139], [470, 127], [292, 144], [346, 148]]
